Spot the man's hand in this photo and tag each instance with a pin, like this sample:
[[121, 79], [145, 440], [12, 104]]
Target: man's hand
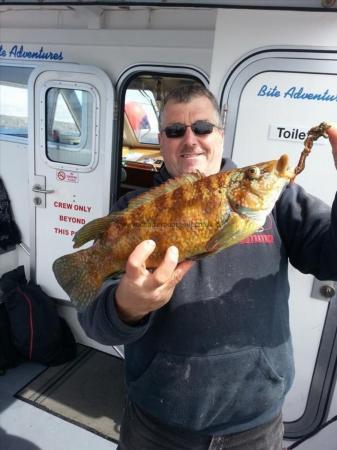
[[141, 291], [332, 133]]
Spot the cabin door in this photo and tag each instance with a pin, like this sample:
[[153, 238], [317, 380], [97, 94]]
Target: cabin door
[[70, 145], [271, 102]]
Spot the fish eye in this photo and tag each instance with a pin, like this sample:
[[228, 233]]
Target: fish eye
[[253, 172]]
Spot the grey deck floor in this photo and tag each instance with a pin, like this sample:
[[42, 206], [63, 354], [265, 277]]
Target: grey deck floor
[[25, 427]]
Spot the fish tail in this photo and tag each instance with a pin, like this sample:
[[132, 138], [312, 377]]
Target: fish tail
[[78, 278]]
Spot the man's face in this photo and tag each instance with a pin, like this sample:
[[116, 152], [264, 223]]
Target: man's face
[[191, 152]]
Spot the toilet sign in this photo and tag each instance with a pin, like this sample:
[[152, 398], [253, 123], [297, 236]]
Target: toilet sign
[[281, 132]]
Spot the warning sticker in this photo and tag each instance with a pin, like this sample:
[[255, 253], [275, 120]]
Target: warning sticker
[[66, 175]]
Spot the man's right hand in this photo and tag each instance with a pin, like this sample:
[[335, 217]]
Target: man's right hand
[[141, 291]]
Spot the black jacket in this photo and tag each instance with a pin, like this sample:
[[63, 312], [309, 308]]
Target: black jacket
[[218, 357]]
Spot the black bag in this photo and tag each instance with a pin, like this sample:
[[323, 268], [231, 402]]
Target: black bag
[[9, 356], [38, 333]]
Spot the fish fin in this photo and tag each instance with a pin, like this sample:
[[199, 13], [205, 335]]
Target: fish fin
[[94, 229], [72, 274], [199, 256], [168, 186], [234, 230]]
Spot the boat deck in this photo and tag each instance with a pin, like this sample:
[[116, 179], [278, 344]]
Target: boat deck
[[26, 427]]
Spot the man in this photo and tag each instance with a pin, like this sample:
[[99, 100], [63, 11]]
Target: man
[[208, 354]]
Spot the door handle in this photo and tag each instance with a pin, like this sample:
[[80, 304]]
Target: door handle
[[37, 188]]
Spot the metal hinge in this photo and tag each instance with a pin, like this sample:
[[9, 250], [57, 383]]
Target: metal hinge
[[115, 111]]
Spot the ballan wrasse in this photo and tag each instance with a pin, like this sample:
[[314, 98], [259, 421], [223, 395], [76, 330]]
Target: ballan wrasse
[[199, 215]]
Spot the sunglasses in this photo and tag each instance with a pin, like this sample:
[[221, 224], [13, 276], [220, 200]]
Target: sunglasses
[[199, 128]]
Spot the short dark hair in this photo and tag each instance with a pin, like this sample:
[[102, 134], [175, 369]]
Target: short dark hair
[[185, 93]]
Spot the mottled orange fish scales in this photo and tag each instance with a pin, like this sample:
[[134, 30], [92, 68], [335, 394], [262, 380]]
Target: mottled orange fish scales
[[199, 215]]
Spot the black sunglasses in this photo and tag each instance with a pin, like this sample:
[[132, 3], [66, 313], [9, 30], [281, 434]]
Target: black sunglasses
[[199, 128]]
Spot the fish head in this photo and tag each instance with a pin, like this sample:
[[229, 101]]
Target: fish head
[[253, 190]]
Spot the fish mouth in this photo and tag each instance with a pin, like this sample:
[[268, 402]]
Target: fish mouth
[[283, 169]]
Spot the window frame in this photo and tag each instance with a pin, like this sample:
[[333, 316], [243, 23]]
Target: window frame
[[67, 147], [22, 81], [123, 81]]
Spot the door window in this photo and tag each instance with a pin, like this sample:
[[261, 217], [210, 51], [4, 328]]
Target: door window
[[69, 117]]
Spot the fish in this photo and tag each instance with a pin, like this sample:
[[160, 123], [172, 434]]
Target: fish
[[200, 215]]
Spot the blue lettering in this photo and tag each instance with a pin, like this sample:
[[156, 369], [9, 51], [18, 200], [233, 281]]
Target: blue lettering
[[17, 52], [13, 51], [299, 93], [290, 92], [2, 51], [262, 90], [269, 92], [325, 95]]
